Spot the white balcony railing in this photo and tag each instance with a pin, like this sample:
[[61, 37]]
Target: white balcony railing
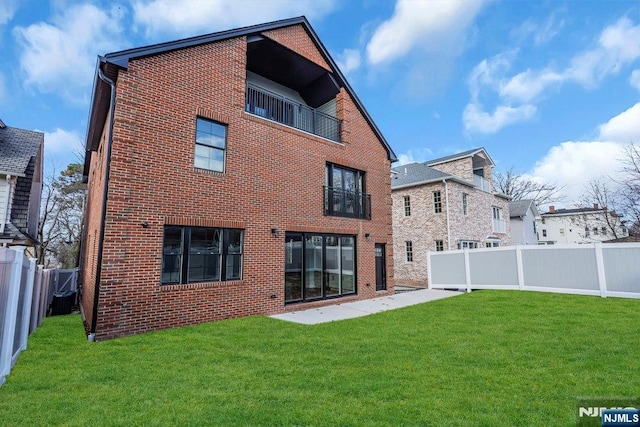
[[499, 226], [482, 183]]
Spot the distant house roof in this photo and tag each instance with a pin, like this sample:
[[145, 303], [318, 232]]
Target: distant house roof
[[111, 63], [419, 173], [575, 211], [519, 208], [17, 147], [457, 156]]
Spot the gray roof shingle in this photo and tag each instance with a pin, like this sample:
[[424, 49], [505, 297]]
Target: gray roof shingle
[[454, 156], [415, 173], [519, 208], [17, 147]]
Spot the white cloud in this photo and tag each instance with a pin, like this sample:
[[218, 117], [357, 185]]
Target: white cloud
[[59, 57], [617, 46], [7, 9], [413, 156], [475, 119], [541, 33], [575, 163], [623, 128], [349, 60], [634, 80], [62, 141], [189, 17], [434, 26]]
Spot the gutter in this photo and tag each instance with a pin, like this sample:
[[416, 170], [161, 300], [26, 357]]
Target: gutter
[[96, 292], [446, 200]]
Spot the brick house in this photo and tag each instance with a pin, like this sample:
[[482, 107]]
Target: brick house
[[230, 174], [444, 204], [21, 162]]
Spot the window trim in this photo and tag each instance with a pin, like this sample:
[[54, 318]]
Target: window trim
[[407, 205], [362, 200], [437, 201], [408, 248], [185, 255], [211, 147]]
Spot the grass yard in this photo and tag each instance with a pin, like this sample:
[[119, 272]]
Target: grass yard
[[486, 358]]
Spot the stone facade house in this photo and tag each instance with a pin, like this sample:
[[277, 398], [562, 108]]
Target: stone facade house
[[230, 174], [21, 163], [580, 225], [523, 217], [445, 204]]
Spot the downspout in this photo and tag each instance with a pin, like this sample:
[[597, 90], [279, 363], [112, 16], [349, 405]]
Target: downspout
[[105, 192], [446, 201]]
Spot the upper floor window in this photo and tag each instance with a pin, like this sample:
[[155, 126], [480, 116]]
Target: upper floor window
[[201, 254], [407, 206], [595, 231], [544, 233], [408, 245], [211, 144], [604, 230], [587, 232], [467, 244], [465, 206], [437, 202], [344, 193], [439, 245]]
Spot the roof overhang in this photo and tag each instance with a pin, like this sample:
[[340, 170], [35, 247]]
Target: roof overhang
[[111, 63], [435, 180]]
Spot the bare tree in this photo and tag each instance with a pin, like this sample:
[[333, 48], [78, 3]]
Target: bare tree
[[630, 194], [520, 187], [603, 195], [61, 217]]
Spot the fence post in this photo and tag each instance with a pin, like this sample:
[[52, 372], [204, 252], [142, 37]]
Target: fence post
[[26, 304], [6, 346], [35, 300], [429, 270], [602, 279], [467, 270], [520, 267]]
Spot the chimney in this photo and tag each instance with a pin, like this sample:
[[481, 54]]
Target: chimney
[[552, 209], [595, 206]]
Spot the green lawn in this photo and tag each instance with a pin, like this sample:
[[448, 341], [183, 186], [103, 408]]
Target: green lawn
[[486, 358]]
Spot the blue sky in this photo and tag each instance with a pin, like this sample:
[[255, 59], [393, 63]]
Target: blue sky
[[551, 88]]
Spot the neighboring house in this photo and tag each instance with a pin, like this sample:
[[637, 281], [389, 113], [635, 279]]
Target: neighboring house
[[580, 225], [230, 174], [21, 160], [446, 203], [523, 215]]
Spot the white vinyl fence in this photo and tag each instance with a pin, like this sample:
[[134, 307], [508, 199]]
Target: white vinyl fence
[[25, 295], [594, 269]]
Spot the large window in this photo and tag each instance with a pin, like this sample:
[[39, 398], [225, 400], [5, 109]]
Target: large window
[[407, 205], [319, 266], [200, 254], [437, 202], [344, 193], [211, 143]]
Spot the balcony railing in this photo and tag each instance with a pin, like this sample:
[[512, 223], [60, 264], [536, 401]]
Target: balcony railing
[[499, 226], [482, 183], [272, 106], [350, 204]]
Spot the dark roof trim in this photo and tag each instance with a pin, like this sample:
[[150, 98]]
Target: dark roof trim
[[112, 62], [431, 181], [2, 125]]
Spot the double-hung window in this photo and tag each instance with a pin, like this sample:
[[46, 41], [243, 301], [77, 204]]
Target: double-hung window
[[407, 205], [465, 205], [437, 202], [211, 144], [201, 254], [409, 250]]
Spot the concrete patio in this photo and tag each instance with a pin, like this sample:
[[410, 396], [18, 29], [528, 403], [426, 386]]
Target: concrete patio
[[351, 310]]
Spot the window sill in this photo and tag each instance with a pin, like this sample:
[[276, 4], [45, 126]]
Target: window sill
[[200, 285]]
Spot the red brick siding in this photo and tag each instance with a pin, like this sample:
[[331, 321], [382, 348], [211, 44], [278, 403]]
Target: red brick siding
[[296, 38], [274, 177]]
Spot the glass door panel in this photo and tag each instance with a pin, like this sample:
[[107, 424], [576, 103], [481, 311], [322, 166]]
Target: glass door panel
[[333, 266], [313, 267], [293, 268]]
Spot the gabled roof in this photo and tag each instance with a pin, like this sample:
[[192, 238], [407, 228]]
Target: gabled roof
[[111, 63], [519, 208], [413, 174], [457, 156], [17, 147], [577, 211]]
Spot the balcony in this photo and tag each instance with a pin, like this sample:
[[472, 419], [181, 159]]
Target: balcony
[[272, 106], [499, 226], [350, 204], [482, 183]]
